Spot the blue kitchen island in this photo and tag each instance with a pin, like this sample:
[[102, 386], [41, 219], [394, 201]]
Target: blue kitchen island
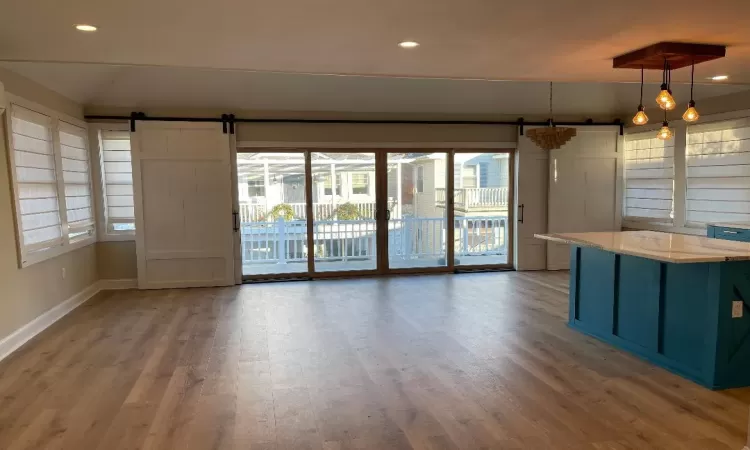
[[681, 302]]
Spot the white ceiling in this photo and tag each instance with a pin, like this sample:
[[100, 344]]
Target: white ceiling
[[161, 87], [540, 40]]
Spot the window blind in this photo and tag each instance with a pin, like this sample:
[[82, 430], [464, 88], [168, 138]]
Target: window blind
[[118, 181], [718, 172], [649, 178], [36, 180], [77, 180]]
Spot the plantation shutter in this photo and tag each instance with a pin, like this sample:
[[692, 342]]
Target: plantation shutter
[[118, 181], [718, 172], [77, 181], [36, 180], [649, 178]]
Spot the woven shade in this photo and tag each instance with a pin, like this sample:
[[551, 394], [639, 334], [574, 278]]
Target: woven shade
[[550, 138]]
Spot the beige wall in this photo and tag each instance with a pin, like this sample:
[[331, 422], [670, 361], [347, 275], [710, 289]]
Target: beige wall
[[117, 260], [29, 292]]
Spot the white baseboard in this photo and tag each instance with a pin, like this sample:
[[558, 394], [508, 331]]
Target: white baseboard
[[41, 323], [125, 283]]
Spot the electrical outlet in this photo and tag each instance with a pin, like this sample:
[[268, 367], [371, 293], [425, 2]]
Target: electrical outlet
[[63, 273], [736, 309]]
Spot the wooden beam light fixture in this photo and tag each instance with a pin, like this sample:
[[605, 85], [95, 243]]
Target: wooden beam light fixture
[[668, 56]]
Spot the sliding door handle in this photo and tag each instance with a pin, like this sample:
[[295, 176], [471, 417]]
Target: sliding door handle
[[520, 213], [387, 214], [236, 221]]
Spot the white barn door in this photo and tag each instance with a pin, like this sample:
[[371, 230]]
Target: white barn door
[[183, 196], [585, 177]]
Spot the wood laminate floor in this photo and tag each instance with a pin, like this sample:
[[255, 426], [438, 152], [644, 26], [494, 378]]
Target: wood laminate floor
[[476, 361]]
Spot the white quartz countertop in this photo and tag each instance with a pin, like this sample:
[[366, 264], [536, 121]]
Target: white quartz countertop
[[666, 247], [741, 225]]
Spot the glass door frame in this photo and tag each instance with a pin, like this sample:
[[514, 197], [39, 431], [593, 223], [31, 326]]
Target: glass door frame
[[510, 223], [381, 213], [382, 173]]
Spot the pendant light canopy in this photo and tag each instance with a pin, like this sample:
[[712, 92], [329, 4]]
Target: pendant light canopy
[[665, 99], [640, 117], [691, 114]]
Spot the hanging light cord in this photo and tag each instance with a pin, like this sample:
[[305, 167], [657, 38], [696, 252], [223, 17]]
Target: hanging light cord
[[551, 117], [692, 78], [641, 102]]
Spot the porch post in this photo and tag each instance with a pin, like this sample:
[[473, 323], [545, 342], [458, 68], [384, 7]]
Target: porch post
[[333, 185], [281, 240], [398, 191], [266, 185]]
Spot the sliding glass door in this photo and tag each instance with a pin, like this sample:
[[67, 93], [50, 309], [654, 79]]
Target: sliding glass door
[[417, 214], [273, 213], [482, 199], [344, 204], [326, 213]]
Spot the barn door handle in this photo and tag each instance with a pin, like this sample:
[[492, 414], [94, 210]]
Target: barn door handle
[[520, 213], [235, 221]]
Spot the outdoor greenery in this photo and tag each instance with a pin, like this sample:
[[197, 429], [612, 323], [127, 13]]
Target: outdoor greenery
[[282, 210], [347, 211]]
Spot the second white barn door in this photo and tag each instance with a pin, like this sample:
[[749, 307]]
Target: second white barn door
[[183, 191], [584, 189]]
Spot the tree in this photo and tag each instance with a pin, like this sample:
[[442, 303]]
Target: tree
[[282, 210], [347, 211]]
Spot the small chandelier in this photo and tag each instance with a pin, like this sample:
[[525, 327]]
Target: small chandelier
[[551, 137]]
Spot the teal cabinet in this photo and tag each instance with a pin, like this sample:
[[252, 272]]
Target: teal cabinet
[[678, 316], [728, 233]]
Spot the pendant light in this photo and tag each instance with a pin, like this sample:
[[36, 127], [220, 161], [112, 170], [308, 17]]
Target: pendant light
[[665, 99], [691, 115], [640, 117], [550, 137], [665, 133]]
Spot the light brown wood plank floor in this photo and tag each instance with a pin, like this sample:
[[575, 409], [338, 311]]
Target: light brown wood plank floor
[[476, 361]]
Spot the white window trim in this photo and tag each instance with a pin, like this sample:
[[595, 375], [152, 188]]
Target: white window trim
[[24, 259], [680, 224], [105, 234]]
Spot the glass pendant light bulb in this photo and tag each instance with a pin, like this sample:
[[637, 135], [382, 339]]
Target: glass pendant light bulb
[[640, 117], [665, 133], [665, 99], [691, 115]]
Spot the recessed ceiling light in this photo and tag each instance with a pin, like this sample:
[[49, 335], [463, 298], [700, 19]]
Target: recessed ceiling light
[[720, 77], [84, 27], [408, 44]]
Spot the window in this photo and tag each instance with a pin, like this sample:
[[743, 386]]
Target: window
[[328, 188], [51, 183], [469, 177], [77, 180], [420, 179], [360, 183], [718, 172], [117, 175], [256, 188], [649, 178]]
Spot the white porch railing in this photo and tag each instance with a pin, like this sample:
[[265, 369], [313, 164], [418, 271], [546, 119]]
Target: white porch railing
[[341, 240], [257, 212], [476, 198]]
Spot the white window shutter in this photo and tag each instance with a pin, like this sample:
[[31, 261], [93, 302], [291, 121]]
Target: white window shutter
[[117, 172], [36, 186], [649, 178], [718, 172], [77, 180]]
